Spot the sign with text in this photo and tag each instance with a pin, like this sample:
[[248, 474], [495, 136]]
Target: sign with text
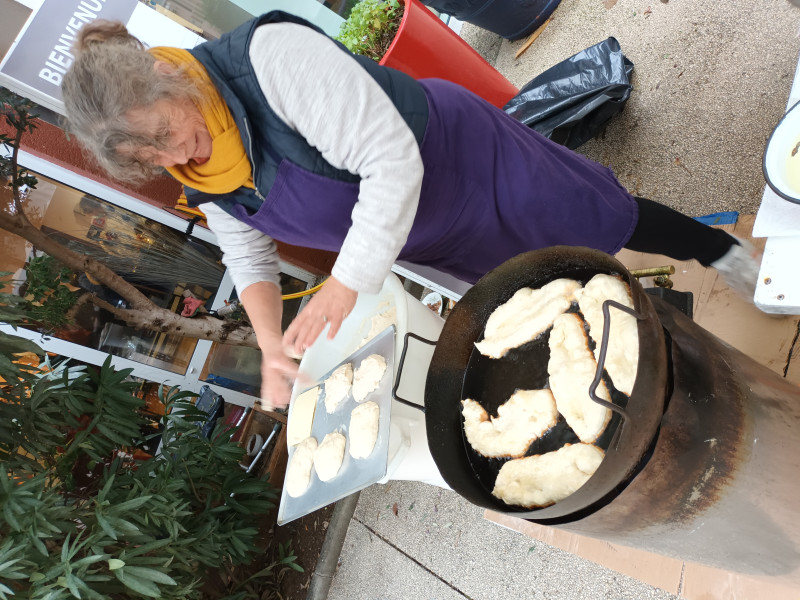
[[44, 51]]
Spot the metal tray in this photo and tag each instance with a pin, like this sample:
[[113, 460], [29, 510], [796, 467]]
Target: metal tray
[[354, 474]]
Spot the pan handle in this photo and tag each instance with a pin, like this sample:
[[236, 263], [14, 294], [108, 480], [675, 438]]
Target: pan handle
[[400, 369], [601, 358]]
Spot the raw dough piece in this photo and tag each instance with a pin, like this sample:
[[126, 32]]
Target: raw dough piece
[[303, 407], [527, 314], [544, 479], [622, 358], [337, 386], [379, 322], [367, 376], [298, 473], [572, 368], [329, 455], [520, 420], [363, 429]]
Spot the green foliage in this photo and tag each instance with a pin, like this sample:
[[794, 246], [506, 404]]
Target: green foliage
[[19, 115], [371, 27], [79, 518], [48, 300]]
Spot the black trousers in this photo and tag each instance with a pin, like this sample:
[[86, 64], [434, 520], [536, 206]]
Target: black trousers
[[662, 230]]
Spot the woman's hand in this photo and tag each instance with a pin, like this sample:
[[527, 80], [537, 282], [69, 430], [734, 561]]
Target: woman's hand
[[329, 306], [278, 373]]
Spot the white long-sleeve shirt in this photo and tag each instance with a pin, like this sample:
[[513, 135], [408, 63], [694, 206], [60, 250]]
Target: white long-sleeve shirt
[[327, 97]]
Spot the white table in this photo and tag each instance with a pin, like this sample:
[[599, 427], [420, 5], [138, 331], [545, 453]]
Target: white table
[[778, 220]]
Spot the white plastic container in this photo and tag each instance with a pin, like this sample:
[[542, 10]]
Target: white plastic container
[[409, 457], [781, 162]]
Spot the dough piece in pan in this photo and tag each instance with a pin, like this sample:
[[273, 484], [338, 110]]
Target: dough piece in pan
[[525, 316], [544, 479], [337, 386], [622, 357], [363, 429], [303, 408], [521, 419], [367, 376], [329, 455], [298, 473], [572, 368]]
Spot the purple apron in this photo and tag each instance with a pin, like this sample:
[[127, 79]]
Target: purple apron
[[492, 189]]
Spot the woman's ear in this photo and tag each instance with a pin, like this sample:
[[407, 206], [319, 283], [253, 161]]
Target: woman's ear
[[163, 68]]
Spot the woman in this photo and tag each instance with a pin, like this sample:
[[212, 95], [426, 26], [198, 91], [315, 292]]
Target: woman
[[278, 132]]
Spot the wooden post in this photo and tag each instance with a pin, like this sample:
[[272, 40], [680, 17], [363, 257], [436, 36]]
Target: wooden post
[[532, 38]]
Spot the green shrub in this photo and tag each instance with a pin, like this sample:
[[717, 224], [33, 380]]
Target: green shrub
[[79, 518], [371, 27]]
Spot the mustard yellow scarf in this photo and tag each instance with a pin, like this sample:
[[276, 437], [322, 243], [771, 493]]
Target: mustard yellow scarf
[[228, 168]]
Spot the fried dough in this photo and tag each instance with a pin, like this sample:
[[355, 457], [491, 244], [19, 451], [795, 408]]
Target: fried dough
[[572, 368], [525, 316], [544, 479], [521, 419], [622, 357]]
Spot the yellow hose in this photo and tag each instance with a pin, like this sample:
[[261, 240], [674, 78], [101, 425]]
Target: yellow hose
[[304, 292], [182, 207]]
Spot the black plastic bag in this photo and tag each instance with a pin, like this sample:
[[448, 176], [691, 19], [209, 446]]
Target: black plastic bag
[[573, 101]]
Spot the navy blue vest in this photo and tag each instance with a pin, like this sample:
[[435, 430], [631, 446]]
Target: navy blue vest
[[266, 138]]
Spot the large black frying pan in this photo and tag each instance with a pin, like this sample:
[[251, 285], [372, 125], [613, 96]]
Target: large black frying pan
[[457, 369]]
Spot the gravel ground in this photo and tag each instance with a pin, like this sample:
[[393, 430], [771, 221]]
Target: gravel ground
[[711, 80]]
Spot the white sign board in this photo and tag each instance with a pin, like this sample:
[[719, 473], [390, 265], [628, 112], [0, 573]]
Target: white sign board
[[36, 64]]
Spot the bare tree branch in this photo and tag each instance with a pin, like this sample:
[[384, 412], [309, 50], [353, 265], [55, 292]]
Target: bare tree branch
[[142, 314], [73, 311], [104, 305], [201, 326]]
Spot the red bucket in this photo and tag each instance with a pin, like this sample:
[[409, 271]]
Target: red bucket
[[425, 47]]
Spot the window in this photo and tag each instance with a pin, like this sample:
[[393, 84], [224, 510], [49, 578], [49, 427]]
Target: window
[[137, 241], [165, 265], [238, 367]]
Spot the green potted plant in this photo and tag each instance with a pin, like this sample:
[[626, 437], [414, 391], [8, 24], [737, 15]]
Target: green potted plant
[[371, 27], [81, 518], [407, 36]]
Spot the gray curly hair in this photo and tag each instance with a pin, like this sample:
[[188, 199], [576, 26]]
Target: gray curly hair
[[112, 75]]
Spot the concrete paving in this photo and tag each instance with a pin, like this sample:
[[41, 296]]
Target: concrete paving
[[439, 546], [711, 80]]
